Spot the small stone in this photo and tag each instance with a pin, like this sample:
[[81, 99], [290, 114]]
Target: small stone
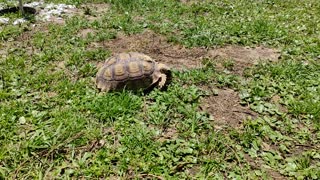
[[34, 4], [19, 21], [4, 20]]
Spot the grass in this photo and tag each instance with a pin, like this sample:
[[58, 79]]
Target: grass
[[55, 124]]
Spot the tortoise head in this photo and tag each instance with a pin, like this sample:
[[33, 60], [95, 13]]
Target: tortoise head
[[102, 85], [101, 81]]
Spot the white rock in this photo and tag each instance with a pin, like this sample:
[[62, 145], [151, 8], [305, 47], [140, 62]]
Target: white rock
[[4, 20], [19, 21], [34, 4], [45, 11]]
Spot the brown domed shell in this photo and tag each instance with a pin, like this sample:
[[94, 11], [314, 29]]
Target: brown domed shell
[[126, 70]]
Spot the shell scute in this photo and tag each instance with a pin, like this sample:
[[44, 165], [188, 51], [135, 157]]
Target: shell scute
[[107, 74], [110, 61], [148, 67], [134, 69], [119, 72], [123, 56]]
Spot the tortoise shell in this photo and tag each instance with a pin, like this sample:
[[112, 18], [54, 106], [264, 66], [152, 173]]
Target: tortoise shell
[[131, 71]]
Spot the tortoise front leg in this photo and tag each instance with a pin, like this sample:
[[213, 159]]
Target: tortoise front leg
[[162, 81]]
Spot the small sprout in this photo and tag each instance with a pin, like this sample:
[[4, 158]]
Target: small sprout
[[228, 64]]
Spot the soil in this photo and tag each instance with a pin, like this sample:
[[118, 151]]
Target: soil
[[179, 57], [225, 108], [94, 11], [242, 57]]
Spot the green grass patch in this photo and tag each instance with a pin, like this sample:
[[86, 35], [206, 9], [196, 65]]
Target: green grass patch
[[54, 123]]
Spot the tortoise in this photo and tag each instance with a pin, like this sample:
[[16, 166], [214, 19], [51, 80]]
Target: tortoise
[[132, 71]]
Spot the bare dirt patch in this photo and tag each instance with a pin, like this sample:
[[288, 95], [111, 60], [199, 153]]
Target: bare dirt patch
[[158, 48], [97, 7], [94, 11], [242, 57], [225, 108], [180, 57]]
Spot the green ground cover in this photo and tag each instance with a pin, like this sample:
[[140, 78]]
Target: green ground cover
[[55, 123]]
